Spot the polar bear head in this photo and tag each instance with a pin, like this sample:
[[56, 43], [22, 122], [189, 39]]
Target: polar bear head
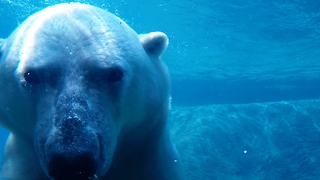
[[77, 80]]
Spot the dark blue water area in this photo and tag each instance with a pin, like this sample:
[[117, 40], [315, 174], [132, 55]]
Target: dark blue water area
[[276, 140], [205, 92], [3, 138]]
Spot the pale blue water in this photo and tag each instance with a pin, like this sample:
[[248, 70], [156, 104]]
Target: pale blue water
[[228, 52]]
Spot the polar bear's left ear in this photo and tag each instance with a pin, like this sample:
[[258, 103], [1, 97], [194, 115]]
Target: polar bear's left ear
[[154, 43]]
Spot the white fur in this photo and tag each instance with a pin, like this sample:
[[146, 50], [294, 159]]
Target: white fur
[[68, 45]]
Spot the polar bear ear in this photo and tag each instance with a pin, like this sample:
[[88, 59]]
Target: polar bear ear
[[154, 43]]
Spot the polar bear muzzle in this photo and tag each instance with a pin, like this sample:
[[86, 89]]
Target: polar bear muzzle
[[74, 140], [74, 154]]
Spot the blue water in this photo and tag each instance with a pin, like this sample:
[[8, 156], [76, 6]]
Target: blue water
[[267, 44], [231, 53]]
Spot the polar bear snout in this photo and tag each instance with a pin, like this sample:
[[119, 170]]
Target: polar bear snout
[[75, 139], [81, 166], [72, 150], [72, 155]]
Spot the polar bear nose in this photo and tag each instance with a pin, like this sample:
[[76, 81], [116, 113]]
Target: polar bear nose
[[77, 167]]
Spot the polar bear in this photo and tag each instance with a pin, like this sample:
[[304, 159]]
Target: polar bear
[[84, 97]]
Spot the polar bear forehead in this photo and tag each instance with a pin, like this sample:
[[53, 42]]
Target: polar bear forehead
[[66, 30]]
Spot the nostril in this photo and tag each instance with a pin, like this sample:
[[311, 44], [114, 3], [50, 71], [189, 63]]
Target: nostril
[[74, 167]]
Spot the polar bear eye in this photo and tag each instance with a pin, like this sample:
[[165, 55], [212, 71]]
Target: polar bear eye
[[114, 74], [31, 77]]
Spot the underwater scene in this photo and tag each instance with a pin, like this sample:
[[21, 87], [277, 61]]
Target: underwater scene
[[245, 81]]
